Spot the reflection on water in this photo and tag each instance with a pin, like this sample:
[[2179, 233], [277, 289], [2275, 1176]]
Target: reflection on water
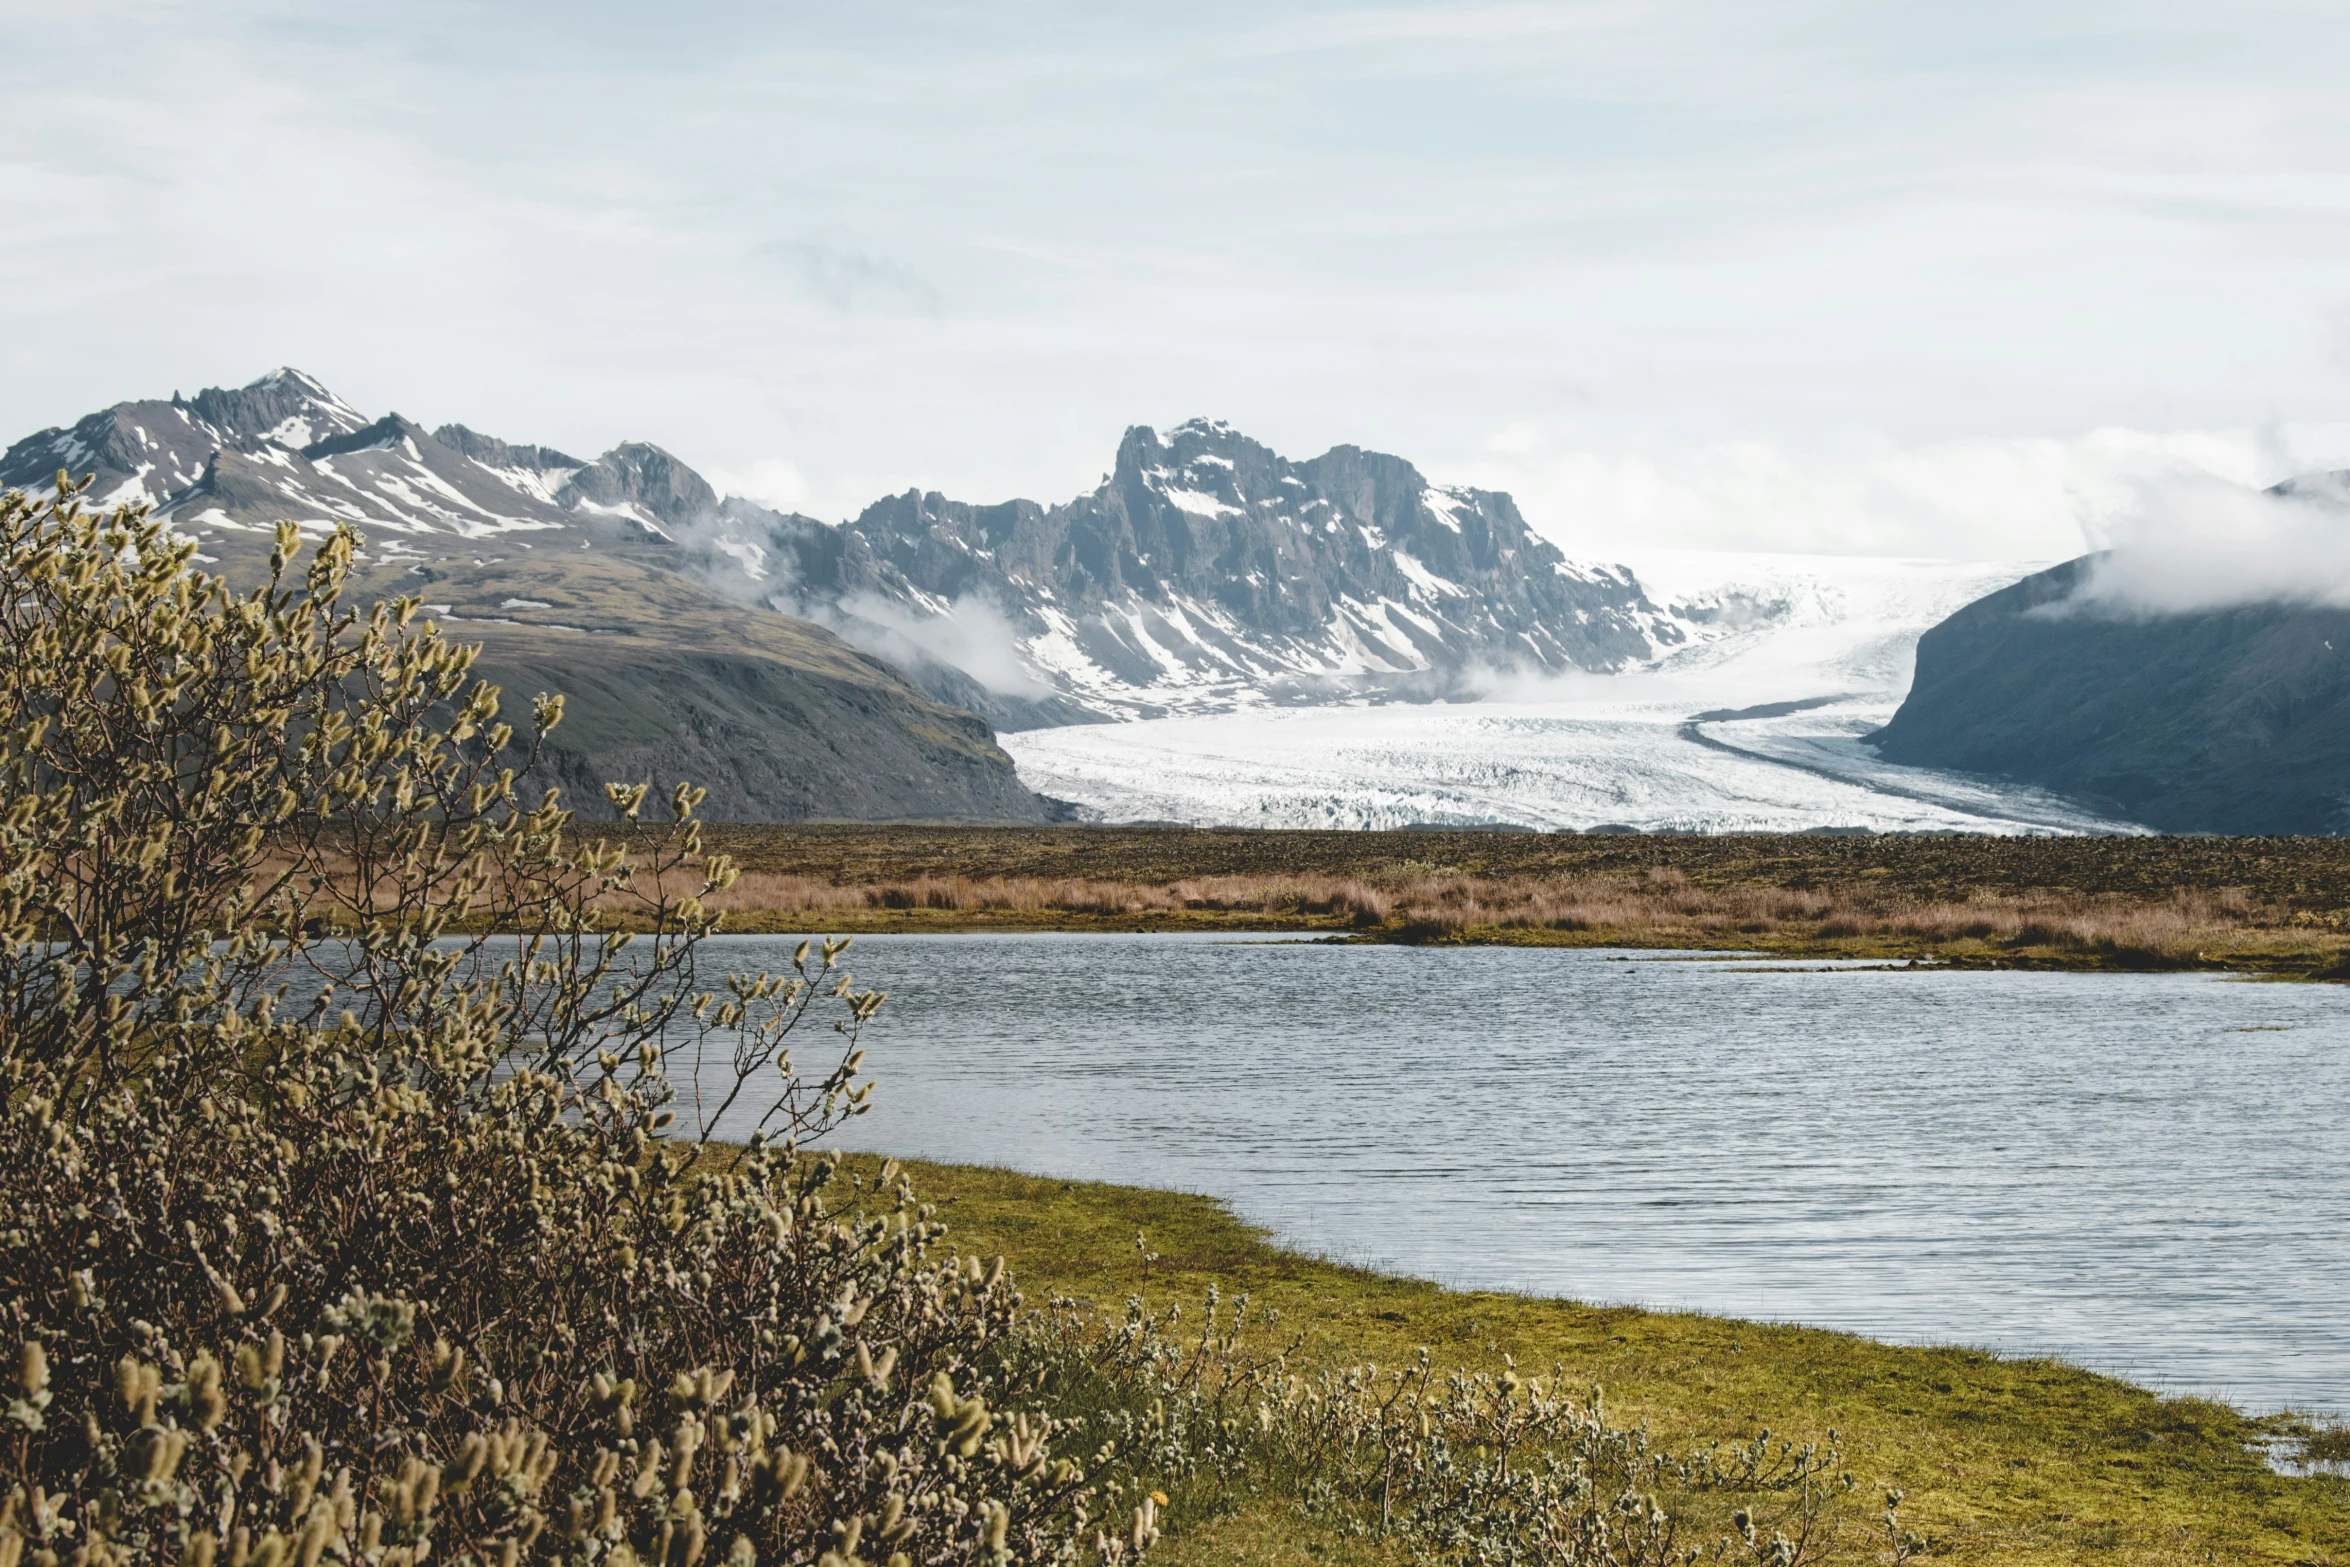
[[2147, 1174]]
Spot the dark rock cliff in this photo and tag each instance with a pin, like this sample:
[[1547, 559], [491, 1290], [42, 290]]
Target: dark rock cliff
[[2233, 720]]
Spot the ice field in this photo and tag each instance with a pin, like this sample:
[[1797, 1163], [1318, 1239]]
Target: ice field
[[1826, 644]]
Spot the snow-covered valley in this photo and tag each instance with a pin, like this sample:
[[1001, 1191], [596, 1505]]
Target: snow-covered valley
[[1755, 724]]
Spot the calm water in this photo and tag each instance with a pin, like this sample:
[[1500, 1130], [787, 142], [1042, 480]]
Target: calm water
[[2149, 1175]]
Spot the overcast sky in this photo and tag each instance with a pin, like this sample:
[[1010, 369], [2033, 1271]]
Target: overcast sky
[[1922, 278]]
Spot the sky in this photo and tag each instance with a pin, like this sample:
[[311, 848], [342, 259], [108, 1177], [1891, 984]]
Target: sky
[[1805, 275]]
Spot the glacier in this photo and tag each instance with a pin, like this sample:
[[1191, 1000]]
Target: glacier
[[1755, 723]]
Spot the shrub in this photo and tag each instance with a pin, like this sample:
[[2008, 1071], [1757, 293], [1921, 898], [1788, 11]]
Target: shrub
[[345, 1211], [1492, 1469]]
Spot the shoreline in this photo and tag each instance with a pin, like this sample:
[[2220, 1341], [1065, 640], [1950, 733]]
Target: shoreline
[[2006, 1459], [2298, 960]]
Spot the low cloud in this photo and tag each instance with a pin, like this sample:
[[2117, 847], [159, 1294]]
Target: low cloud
[[973, 636], [769, 481], [2197, 543], [2019, 499]]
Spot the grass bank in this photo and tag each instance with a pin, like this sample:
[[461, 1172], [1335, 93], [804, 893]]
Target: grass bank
[[2004, 1461], [2279, 906]]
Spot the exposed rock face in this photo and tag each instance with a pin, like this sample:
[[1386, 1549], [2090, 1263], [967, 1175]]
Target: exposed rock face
[[643, 483], [2233, 720], [1208, 572], [568, 574]]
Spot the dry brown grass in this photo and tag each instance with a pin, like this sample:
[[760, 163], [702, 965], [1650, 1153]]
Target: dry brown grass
[[1346, 897], [1660, 903]]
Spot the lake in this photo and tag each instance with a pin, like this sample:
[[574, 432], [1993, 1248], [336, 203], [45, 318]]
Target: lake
[[2144, 1174]]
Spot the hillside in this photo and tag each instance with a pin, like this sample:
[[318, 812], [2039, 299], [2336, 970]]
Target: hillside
[[569, 574], [1299, 638], [2231, 720]]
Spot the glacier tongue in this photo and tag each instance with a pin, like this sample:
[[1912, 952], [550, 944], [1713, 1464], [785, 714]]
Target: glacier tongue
[[1753, 723]]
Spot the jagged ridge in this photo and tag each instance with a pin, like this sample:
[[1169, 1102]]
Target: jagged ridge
[[1209, 572]]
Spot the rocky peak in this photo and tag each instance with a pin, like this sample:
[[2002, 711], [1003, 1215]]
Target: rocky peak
[[284, 406], [144, 452], [2332, 486], [375, 436], [639, 480], [283, 447]]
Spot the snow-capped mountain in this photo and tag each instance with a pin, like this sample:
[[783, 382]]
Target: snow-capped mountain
[[1207, 573], [1208, 586], [144, 453], [568, 574], [235, 462]]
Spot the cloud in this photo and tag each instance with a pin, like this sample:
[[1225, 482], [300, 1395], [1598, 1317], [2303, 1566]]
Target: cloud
[[770, 481], [1980, 500], [850, 280], [895, 244], [2195, 542], [973, 635]]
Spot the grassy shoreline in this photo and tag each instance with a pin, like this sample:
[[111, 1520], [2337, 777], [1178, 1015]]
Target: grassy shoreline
[[2279, 907], [2289, 958], [2005, 1460]]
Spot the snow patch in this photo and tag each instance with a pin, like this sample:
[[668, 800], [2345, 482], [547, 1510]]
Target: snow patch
[[1425, 580], [1201, 504], [749, 556], [1446, 507]]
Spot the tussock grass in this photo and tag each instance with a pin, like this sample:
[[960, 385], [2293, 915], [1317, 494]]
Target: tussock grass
[[1661, 903]]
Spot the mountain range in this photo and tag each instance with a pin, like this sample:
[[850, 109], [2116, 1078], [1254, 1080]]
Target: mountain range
[[563, 571], [803, 669]]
